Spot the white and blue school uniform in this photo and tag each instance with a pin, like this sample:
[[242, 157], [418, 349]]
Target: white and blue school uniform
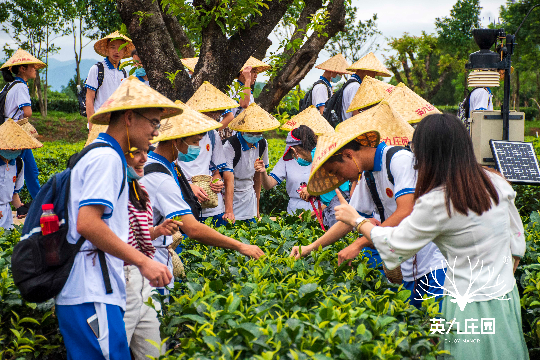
[[348, 95], [10, 184], [402, 168], [481, 99], [295, 176], [96, 180], [210, 159], [319, 94], [17, 98], [245, 199], [236, 95], [167, 202], [112, 78]]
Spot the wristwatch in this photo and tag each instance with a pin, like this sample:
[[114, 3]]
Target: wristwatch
[[359, 222]]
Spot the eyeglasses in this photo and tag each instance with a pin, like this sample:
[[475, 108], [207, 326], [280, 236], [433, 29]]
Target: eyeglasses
[[154, 122]]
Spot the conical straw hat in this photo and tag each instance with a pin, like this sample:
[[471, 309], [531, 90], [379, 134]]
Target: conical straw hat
[[312, 118], [94, 133], [320, 181], [370, 63], [209, 98], [256, 64], [409, 105], [13, 137], [29, 128], [190, 63], [22, 57], [370, 92], [254, 119], [190, 122], [134, 94], [392, 128], [101, 45], [336, 63]]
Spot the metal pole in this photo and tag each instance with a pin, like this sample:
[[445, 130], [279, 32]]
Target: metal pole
[[505, 110]]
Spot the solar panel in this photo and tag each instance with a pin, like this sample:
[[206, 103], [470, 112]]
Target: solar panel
[[517, 161]]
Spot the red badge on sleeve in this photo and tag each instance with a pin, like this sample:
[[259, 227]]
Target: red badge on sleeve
[[389, 193], [14, 179], [207, 147]]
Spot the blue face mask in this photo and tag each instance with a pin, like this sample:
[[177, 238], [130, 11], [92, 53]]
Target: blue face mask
[[303, 162], [10, 154], [336, 79], [140, 72], [132, 174], [192, 153], [252, 139]]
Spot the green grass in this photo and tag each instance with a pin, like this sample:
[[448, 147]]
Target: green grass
[[70, 127]]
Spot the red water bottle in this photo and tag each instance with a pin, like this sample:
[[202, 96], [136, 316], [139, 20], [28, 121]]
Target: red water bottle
[[48, 221]]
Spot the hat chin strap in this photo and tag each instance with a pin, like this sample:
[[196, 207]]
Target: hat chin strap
[[357, 168], [130, 150]]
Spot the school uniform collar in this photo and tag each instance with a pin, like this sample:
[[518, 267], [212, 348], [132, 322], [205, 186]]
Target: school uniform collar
[[141, 78], [377, 162], [354, 76], [163, 161], [325, 81], [110, 65], [243, 142], [10, 162], [241, 83], [21, 80], [116, 146]]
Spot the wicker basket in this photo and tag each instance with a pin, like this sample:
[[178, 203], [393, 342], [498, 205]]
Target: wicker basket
[[394, 276], [176, 240], [204, 182], [178, 266]]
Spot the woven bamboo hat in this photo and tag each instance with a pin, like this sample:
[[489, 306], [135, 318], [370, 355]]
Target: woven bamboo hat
[[336, 63], [370, 92], [483, 78], [190, 63], [390, 125], [13, 137], [320, 181], [134, 94], [256, 64], [29, 128], [101, 45], [312, 118], [254, 119], [370, 63], [209, 98], [94, 133], [409, 105], [188, 123], [22, 57]]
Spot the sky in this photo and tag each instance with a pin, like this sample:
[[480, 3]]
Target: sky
[[394, 18]]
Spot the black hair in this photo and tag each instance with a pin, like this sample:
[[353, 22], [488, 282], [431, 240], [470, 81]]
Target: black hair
[[137, 197], [307, 136], [351, 145], [134, 52], [8, 74], [115, 116]]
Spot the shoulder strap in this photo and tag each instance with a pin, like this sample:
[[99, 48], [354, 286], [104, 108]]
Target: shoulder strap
[[389, 154], [235, 143], [370, 180], [156, 167], [124, 72], [19, 165], [328, 88], [100, 74], [262, 147], [212, 136]]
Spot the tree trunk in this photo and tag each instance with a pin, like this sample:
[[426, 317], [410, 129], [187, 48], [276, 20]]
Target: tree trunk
[[37, 82], [437, 86], [303, 60], [517, 90]]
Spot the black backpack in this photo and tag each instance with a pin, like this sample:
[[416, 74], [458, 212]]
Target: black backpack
[[81, 95], [187, 192], [41, 264], [334, 105], [3, 96], [235, 143], [307, 101]]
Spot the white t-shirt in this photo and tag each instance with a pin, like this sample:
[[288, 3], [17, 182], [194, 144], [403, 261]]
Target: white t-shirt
[[112, 78], [348, 95], [319, 95], [295, 175], [235, 95], [210, 158], [245, 199], [97, 180], [17, 98], [481, 99], [10, 183], [167, 202], [402, 168]]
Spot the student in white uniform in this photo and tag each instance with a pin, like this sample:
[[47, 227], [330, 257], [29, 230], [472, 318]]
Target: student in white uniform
[[368, 65], [96, 93], [481, 99], [293, 167], [20, 68], [333, 68], [347, 160], [163, 186], [140, 73], [98, 208], [12, 168], [241, 152], [211, 102]]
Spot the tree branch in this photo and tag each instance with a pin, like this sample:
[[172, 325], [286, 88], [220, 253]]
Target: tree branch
[[177, 33], [310, 8], [437, 86]]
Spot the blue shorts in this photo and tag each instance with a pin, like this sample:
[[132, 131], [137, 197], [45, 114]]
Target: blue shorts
[[217, 220], [426, 285], [80, 340]]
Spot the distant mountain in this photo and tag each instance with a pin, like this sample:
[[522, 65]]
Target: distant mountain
[[60, 72]]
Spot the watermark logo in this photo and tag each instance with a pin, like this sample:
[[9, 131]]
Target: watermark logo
[[486, 327]]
